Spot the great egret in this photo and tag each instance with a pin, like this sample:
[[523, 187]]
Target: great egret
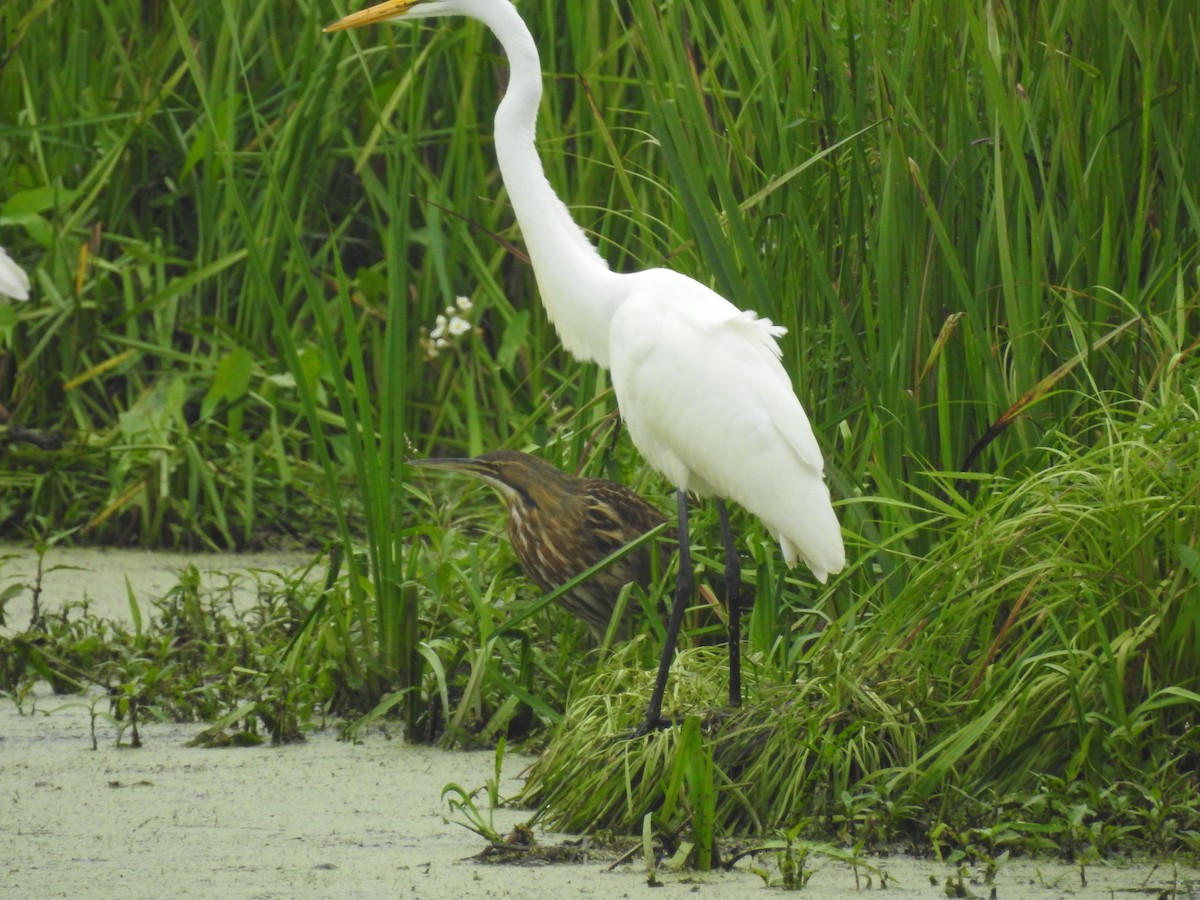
[[698, 381]]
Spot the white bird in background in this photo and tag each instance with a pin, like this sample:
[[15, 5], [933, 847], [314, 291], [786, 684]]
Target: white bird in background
[[14, 282], [698, 381]]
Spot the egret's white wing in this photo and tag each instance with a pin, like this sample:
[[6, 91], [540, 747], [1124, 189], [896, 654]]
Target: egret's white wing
[[708, 403]]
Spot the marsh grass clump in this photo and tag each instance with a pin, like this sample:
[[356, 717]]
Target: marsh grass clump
[[787, 742], [1061, 613]]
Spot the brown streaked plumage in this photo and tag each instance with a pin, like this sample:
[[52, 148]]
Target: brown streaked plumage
[[560, 525]]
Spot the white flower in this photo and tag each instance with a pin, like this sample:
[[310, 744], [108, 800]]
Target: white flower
[[13, 280], [448, 327]]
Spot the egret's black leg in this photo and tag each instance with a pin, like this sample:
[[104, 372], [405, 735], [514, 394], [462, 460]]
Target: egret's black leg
[[683, 596], [733, 605]]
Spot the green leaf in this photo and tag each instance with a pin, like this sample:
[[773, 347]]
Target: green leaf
[[514, 337], [37, 200], [231, 380]]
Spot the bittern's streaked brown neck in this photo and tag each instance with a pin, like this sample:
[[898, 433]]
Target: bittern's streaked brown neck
[[519, 477], [560, 525]]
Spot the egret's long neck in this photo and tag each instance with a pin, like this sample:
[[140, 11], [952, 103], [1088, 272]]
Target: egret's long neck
[[578, 290]]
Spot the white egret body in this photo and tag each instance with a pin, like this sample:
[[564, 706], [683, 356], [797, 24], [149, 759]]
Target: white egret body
[[698, 381]]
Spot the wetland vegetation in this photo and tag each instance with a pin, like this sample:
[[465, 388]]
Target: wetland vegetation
[[977, 221]]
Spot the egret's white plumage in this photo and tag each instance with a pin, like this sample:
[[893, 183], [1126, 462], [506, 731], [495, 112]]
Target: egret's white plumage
[[709, 405], [698, 381], [14, 282]]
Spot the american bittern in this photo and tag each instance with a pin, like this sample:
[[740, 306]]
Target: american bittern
[[560, 525]]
